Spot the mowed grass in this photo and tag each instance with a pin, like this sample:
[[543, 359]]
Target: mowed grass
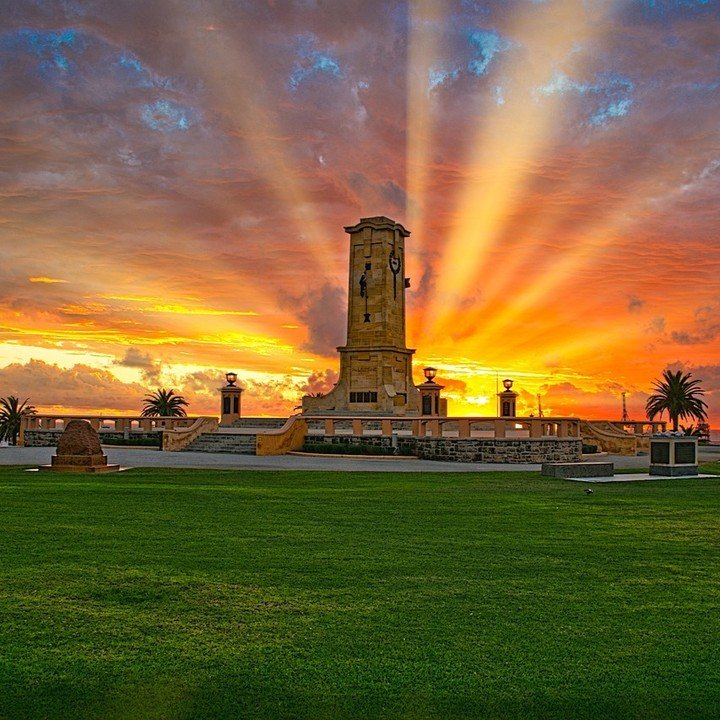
[[210, 594]]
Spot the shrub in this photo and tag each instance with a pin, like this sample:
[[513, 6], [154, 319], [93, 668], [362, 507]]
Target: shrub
[[589, 449], [342, 449]]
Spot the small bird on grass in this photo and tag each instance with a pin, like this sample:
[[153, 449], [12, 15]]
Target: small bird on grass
[[588, 491]]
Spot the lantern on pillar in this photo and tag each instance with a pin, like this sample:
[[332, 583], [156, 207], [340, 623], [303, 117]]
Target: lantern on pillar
[[230, 400], [432, 403], [508, 400]]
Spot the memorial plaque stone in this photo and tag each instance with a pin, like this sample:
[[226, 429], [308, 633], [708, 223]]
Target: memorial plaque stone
[[685, 453]]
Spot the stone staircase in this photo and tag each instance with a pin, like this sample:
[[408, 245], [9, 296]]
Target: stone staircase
[[219, 442]]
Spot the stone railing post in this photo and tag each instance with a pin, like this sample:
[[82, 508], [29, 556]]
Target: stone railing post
[[463, 428], [535, 428], [329, 426], [357, 426]]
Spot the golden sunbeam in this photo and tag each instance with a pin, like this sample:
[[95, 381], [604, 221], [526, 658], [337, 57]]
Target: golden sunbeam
[[534, 291], [423, 44], [46, 280], [232, 76], [511, 139]]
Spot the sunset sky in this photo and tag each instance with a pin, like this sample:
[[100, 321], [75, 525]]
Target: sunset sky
[[175, 178]]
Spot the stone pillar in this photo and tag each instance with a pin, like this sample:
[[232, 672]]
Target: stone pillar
[[430, 399], [229, 404], [508, 401]]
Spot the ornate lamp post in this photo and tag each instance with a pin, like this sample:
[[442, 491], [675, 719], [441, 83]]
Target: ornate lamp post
[[432, 404], [508, 400], [230, 400]]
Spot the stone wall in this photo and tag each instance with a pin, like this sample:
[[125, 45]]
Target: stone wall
[[49, 438], [406, 445], [500, 450], [259, 422], [481, 450]]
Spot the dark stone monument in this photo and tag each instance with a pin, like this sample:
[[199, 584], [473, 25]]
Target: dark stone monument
[[78, 450], [673, 455]]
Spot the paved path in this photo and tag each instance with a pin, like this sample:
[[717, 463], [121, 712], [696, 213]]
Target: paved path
[[638, 477], [129, 457]]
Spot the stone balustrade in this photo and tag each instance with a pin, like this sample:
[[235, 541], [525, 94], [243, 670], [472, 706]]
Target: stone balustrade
[[451, 427], [111, 423], [639, 427]]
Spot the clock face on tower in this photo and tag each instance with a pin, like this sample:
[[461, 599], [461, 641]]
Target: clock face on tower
[[394, 263], [364, 294]]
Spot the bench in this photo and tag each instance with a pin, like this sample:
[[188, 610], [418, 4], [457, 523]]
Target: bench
[[578, 469]]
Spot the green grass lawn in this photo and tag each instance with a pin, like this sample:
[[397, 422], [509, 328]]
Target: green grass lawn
[[209, 594]]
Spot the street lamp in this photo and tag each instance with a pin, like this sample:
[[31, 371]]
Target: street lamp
[[430, 373], [231, 378]]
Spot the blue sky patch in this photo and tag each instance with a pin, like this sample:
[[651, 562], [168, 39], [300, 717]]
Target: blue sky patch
[[613, 110], [439, 77], [486, 44], [167, 116], [611, 90], [134, 70], [49, 46], [312, 61]]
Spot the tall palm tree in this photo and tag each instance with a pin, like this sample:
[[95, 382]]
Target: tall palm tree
[[12, 411], [164, 403], [679, 395]]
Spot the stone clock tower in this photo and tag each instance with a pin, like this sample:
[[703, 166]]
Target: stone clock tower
[[375, 366]]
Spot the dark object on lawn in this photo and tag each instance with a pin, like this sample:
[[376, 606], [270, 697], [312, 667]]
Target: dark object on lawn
[[78, 450], [588, 491]]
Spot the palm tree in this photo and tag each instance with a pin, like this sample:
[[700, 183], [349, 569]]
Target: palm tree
[[164, 403], [12, 411], [679, 395]]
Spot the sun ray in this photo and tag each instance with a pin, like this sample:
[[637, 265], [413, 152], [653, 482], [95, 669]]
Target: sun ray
[[514, 136], [256, 125], [424, 41]]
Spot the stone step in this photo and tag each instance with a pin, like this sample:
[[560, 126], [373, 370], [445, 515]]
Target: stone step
[[577, 469], [223, 443]]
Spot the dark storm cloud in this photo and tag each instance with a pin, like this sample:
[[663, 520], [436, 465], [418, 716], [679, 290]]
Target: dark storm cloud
[[323, 311], [320, 383], [80, 386], [706, 327], [135, 358]]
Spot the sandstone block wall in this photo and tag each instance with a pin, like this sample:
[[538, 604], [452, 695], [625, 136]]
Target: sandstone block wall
[[480, 450], [49, 438]]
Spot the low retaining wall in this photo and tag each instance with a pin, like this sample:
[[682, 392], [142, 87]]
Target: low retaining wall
[[573, 470], [49, 438], [485, 450], [259, 422]]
